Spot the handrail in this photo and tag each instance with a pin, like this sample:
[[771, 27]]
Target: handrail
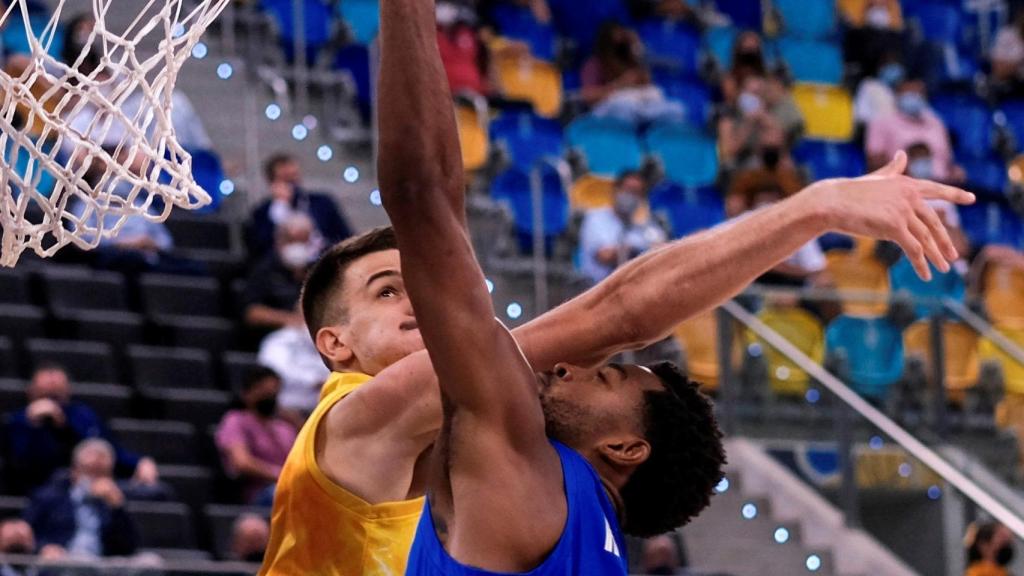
[[919, 450], [129, 566]]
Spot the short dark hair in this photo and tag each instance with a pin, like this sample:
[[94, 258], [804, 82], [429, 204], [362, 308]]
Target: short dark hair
[[685, 465], [326, 276], [622, 176], [48, 366], [273, 162], [256, 374], [983, 534]]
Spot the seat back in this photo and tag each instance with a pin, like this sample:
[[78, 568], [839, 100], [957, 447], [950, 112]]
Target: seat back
[[514, 187], [857, 272], [694, 95], [591, 191], [19, 321], [987, 174], [827, 111], [610, 146], [532, 80], [526, 137], [802, 330], [904, 279], [814, 20], [162, 524], [671, 45], [689, 156], [519, 23], [200, 232], [362, 18], [13, 287], [743, 13], [969, 122], [812, 60], [962, 361], [84, 361], [1004, 293], [473, 137], [83, 289], [164, 294], [698, 337], [718, 42], [170, 367], [1013, 370], [992, 222], [687, 210], [165, 441], [825, 159], [873, 349]]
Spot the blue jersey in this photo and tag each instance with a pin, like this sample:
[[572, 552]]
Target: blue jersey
[[591, 543]]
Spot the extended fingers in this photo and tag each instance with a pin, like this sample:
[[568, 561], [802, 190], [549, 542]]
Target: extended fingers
[[937, 191], [915, 253], [931, 250], [939, 232]]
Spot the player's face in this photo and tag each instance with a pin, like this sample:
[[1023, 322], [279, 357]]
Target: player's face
[[585, 407], [381, 327]]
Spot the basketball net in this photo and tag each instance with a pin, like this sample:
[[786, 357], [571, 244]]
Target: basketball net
[[87, 145]]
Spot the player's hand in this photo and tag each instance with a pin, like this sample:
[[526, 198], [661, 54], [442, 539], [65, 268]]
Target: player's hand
[[52, 552], [106, 490], [45, 409], [890, 206], [146, 472]]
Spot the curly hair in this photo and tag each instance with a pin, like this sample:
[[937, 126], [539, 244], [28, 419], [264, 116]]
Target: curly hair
[[676, 482]]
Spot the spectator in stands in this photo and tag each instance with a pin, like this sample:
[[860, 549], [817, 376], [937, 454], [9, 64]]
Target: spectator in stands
[[758, 130], [610, 236], [875, 94], [747, 60], [463, 51], [989, 549], [873, 31], [43, 435], [82, 514], [16, 537], [921, 165], [249, 537], [255, 440], [287, 197], [1007, 57], [912, 122], [291, 353], [745, 185], [660, 556], [617, 83], [779, 104], [273, 286]]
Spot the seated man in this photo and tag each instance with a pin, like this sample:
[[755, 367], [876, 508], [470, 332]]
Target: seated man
[[273, 285], [254, 441], [291, 353], [612, 235], [16, 537], [42, 436], [82, 514]]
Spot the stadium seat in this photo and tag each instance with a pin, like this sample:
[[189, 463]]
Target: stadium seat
[[969, 122], [362, 18], [718, 42], [83, 289], [827, 111], [40, 179], [513, 187], [938, 21], [526, 137], [582, 25], [687, 210], [19, 321], [8, 360], [671, 45], [221, 519], [853, 12], [170, 367], [518, 23], [84, 361], [960, 352], [804, 331], [167, 442], [814, 20], [609, 146], [830, 159], [903, 279], [590, 191], [192, 484], [177, 295], [200, 232], [1004, 294], [987, 174], [531, 80], [1011, 115], [207, 333], [473, 137], [162, 524], [179, 554], [1013, 370], [689, 156], [812, 60], [12, 394], [992, 222], [15, 40], [743, 13], [698, 337], [108, 400], [355, 60], [694, 95], [209, 174], [236, 366], [873, 351], [13, 287], [201, 408], [12, 506], [853, 272], [316, 19], [117, 328]]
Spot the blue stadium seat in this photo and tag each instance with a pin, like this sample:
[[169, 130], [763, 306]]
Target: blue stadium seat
[[14, 39], [581, 22], [208, 172], [610, 146], [939, 21], [1011, 115], [830, 159], [811, 60], [671, 45], [873, 349], [689, 156], [815, 20], [986, 174], [743, 13], [688, 210], [513, 188], [527, 137], [992, 222], [719, 42], [355, 59], [24, 161], [693, 94], [317, 26], [904, 279], [518, 22], [969, 122], [955, 66], [362, 17]]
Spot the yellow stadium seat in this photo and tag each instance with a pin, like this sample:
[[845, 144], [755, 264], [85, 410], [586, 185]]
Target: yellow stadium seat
[[1004, 294], [536, 81], [473, 138], [591, 191], [698, 337], [862, 273], [1013, 371], [805, 332], [962, 357], [853, 12], [827, 111]]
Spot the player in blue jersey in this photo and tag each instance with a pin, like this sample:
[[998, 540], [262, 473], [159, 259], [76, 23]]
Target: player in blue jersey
[[630, 447]]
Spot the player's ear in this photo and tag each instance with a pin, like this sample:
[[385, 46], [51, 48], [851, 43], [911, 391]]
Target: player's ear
[[330, 343], [625, 452]]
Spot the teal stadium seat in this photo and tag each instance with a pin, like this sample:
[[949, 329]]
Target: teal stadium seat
[[943, 285], [812, 20], [689, 155], [610, 146], [362, 18], [811, 60], [873, 350]]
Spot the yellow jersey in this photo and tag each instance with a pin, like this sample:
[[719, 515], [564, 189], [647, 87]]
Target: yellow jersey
[[319, 528]]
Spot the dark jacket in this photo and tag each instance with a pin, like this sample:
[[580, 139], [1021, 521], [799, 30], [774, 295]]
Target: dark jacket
[[320, 207]]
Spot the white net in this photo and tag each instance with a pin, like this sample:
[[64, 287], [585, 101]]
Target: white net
[[87, 144]]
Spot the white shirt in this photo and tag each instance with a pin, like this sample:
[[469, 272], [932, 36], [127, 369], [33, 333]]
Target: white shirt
[[290, 352], [603, 228], [874, 99], [809, 257]]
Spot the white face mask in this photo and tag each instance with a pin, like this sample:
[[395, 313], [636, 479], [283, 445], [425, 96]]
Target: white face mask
[[749, 103], [297, 255], [447, 13], [878, 17]]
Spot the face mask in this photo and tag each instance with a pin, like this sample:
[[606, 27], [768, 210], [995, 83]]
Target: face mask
[[266, 407], [878, 17], [771, 156], [921, 168], [751, 58], [911, 104], [749, 103], [296, 255], [891, 74], [1004, 555], [626, 203], [447, 13]]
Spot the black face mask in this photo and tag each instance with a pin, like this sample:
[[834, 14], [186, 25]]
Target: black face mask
[[662, 570], [18, 549], [771, 156], [1004, 555], [751, 59], [624, 50], [254, 557], [266, 407]]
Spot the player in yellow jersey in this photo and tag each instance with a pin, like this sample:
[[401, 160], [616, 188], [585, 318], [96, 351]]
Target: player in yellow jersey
[[350, 493]]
